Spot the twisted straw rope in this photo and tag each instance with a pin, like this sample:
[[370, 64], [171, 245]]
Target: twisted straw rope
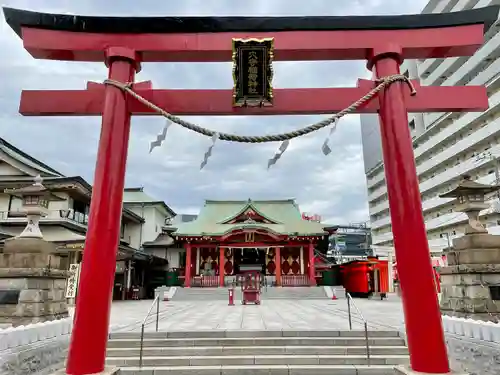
[[381, 84]]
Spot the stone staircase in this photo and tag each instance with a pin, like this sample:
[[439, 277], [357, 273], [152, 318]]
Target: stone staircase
[[270, 352]]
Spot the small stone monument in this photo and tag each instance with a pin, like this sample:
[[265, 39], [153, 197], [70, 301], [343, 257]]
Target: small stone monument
[[470, 283], [32, 284]]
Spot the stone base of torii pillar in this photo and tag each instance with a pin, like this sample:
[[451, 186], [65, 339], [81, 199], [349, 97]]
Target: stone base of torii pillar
[[107, 371], [404, 370], [32, 283]]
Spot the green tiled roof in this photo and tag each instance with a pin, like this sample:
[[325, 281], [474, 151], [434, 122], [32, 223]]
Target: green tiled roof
[[285, 215]]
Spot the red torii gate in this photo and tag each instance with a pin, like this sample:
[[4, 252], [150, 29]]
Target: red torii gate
[[123, 43]]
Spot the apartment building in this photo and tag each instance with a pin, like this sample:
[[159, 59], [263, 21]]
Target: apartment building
[[446, 145]]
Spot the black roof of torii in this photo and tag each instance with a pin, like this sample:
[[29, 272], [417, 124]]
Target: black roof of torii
[[16, 18]]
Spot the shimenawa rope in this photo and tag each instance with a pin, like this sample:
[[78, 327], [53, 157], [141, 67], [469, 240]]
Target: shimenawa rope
[[381, 84]]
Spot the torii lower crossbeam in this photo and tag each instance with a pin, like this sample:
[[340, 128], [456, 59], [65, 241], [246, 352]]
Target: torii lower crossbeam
[[123, 43], [219, 102]]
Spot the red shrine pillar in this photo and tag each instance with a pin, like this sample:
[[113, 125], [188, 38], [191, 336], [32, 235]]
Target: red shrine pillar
[[312, 269], [221, 266], [87, 349], [277, 262], [189, 266], [424, 329]]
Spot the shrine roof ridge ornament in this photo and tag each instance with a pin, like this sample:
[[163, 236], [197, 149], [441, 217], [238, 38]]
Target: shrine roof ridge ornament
[[17, 18]]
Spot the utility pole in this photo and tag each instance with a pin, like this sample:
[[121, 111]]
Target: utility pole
[[487, 155], [448, 238]]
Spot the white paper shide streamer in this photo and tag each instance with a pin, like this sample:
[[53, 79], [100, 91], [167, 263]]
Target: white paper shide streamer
[[281, 150], [160, 137], [326, 148], [215, 137]]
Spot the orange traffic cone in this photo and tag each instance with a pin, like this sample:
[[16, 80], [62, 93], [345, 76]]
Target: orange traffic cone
[[334, 296]]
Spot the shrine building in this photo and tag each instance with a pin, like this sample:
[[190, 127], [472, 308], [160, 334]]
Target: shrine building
[[230, 238]]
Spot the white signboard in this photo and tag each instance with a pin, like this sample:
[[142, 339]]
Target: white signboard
[[72, 283]]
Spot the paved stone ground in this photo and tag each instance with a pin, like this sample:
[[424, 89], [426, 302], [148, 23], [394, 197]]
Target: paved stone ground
[[271, 315], [466, 356]]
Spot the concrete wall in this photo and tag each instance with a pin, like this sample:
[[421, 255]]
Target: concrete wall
[[174, 256], [150, 228], [370, 138]]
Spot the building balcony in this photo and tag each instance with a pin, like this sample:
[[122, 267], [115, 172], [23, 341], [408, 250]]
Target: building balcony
[[468, 143], [382, 239], [475, 64], [74, 216], [54, 216], [457, 126], [377, 179], [447, 220], [71, 218], [430, 65], [451, 65], [436, 202], [458, 170]]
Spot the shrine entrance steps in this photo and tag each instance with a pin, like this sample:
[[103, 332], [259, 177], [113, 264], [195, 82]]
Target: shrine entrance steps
[[257, 352]]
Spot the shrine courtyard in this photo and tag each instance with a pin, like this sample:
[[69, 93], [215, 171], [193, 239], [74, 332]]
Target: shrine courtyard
[[307, 315], [272, 315]]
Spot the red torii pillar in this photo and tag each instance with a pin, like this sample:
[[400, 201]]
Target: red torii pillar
[[384, 41]]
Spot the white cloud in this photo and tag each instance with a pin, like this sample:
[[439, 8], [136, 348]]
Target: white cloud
[[332, 186]]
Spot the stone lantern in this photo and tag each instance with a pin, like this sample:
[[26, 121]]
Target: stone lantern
[[35, 200], [470, 198], [470, 284], [32, 281]]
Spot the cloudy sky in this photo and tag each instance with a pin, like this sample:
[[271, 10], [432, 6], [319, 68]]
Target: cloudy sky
[[333, 187]]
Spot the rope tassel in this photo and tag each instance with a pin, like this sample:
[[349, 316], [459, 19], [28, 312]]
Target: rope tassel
[[326, 148], [278, 154], [160, 138], [215, 137]]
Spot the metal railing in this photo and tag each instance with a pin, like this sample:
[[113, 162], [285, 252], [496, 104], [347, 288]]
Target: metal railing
[[156, 302], [350, 302]]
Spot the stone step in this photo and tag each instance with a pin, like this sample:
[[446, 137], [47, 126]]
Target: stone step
[[246, 360], [220, 334], [263, 370], [258, 341], [256, 350]]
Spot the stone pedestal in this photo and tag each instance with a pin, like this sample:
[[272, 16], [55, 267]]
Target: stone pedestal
[[32, 283], [470, 284]]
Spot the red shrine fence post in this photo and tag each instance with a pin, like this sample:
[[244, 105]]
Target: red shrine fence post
[[277, 260], [424, 329], [87, 350], [222, 262], [187, 273], [312, 271]]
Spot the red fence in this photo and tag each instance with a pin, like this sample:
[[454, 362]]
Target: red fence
[[295, 280], [205, 281], [213, 281]]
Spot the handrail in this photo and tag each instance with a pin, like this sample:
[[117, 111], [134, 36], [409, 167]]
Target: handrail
[[365, 323], [157, 302]]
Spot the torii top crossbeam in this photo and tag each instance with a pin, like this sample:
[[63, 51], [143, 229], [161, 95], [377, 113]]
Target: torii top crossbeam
[[207, 39], [123, 43]]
